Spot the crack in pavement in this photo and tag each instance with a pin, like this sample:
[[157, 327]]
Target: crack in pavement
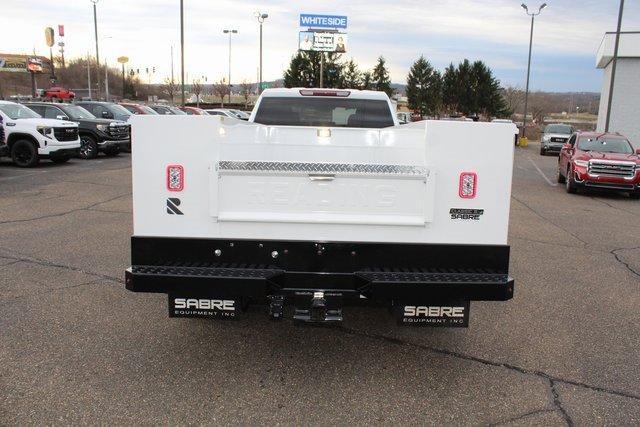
[[48, 291], [614, 252], [522, 416], [45, 263], [558, 404], [612, 206], [549, 221], [487, 362], [64, 213]]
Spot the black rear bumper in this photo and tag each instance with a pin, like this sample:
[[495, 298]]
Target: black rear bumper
[[257, 270]]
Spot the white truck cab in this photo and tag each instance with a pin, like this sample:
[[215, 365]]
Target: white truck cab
[[319, 202], [29, 137]]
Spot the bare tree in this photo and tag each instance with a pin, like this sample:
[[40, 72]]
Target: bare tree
[[197, 88], [245, 91], [170, 88], [513, 98], [220, 89]]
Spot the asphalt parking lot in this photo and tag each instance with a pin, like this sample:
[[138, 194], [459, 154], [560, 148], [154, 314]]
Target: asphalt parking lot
[[76, 347]]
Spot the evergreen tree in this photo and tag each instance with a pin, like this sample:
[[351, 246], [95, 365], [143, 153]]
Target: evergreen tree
[[424, 88], [380, 77], [367, 81], [450, 89], [304, 70], [466, 103], [352, 78]]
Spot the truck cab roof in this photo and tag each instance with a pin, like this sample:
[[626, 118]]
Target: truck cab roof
[[320, 92]]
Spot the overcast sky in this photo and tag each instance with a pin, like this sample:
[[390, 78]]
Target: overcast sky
[[567, 35]]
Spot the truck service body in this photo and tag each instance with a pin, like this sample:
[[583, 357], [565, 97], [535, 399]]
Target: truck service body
[[321, 201]]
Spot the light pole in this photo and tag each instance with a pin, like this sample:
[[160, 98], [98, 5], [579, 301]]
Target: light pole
[[182, 49], [123, 60], [106, 74], [261, 17], [95, 29], [230, 32], [526, 93]]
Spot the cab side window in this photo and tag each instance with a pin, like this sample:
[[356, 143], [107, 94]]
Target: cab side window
[[52, 113], [39, 109]]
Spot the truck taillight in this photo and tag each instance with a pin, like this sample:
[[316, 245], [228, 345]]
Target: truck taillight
[[324, 92], [175, 178], [468, 185]]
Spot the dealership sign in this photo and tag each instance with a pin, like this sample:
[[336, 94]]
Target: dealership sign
[[323, 21], [20, 63], [322, 41]]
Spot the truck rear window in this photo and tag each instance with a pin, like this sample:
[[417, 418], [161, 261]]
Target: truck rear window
[[330, 112]]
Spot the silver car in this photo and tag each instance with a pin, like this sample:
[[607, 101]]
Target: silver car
[[554, 137]]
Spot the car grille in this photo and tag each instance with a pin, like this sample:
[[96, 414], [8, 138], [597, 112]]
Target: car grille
[[65, 134], [618, 169], [558, 139], [119, 131]]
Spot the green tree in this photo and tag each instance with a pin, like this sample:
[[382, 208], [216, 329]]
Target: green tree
[[466, 103], [424, 88], [367, 81], [380, 77], [352, 77], [450, 89], [304, 70]]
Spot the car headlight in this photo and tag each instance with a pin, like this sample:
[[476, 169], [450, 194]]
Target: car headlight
[[581, 163], [546, 138], [102, 128], [45, 131]]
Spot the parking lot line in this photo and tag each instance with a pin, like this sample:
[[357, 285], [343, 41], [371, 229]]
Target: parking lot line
[[553, 184]]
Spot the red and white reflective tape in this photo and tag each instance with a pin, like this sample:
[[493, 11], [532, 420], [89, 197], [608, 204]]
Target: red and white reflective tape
[[175, 178], [468, 186]]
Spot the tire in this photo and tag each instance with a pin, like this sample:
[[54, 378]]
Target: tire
[[635, 195], [570, 184], [24, 153], [112, 152], [88, 147], [561, 179], [61, 159], [542, 152]]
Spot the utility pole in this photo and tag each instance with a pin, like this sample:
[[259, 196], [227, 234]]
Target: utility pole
[[526, 93], [182, 49], [230, 32], [321, 69], [261, 17], [613, 67], [61, 44], [95, 30], [89, 74], [106, 81]]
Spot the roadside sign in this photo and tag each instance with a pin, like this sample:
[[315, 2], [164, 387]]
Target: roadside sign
[[323, 21], [34, 64], [265, 85], [49, 36], [61, 30], [322, 42], [123, 59]]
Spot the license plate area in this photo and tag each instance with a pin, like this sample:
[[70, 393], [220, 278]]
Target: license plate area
[[198, 306]]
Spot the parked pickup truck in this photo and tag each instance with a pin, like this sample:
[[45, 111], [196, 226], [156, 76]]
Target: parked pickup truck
[[96, 135], [30, 137], [321, 201], [605, 161], [58, 93]]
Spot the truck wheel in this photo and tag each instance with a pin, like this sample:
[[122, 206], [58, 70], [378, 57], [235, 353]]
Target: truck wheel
[[570, 183], [542, 152], [635, 194], [24, 154], [111, 152], [560, 177], [61, 159], [88, 147]]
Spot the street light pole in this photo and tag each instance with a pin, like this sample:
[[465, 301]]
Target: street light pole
[[230, 32], [261, 17], [182, 49], [95, 29], [613, 67], [526, 93]]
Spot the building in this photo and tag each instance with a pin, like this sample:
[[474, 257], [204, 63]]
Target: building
[[625, 108]]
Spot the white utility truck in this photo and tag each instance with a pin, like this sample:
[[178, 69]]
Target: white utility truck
[[321, 201]]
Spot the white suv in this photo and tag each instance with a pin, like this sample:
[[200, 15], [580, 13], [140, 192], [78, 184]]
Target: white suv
[[29, 137]]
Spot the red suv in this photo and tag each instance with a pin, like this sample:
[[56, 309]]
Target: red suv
[[600, 160], [138, 108]]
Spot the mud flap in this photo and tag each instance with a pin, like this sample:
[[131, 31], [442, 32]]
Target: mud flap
[[441, 313]]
